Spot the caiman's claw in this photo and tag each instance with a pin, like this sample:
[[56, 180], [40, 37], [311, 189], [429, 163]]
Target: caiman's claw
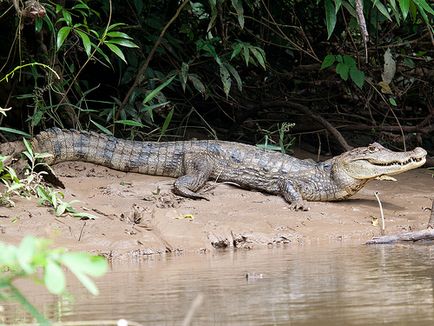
[[299, 206]]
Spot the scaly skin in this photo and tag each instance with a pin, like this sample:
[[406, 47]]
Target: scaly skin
[[195, 162]]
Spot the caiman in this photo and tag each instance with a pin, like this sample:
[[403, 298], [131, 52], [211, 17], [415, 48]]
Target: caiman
[[195, 162]]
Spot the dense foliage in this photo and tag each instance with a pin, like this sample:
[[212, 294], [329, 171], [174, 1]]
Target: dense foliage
[[251, 70]]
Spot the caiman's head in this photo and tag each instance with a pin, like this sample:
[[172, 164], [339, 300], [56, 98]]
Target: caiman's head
[[376, 161]]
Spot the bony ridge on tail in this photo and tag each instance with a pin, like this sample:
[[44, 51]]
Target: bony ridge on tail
[[193, 163]]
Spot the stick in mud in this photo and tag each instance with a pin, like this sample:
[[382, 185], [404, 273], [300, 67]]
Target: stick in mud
[[413, 236], [383, 223], [431, 219]]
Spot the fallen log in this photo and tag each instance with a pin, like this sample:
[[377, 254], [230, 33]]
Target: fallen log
[[413, 236]]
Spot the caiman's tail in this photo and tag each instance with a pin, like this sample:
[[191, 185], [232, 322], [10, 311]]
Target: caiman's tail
[[120, 154]]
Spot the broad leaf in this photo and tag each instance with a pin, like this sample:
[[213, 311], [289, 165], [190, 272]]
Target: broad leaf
[[62, 35], [238, 6], [342, 70], [330, 17], [86, 41], [119, 35], [122, 42], [405, 7], [357, 76], [382, 9], [328, 61], [259, 55], [235, 74], [226, 79], [197, 83], [116, 51]]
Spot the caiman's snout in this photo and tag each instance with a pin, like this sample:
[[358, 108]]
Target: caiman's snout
[[376, 161], [414, 158]]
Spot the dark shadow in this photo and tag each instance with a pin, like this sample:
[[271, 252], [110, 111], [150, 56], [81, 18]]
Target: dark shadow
[[371, 203]]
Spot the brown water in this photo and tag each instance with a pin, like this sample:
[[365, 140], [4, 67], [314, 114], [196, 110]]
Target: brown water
[[312, 285]]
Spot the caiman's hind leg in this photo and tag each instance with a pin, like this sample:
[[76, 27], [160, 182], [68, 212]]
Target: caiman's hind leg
[[197, 172]]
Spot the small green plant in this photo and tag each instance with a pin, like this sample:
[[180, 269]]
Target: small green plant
[[34, 259], [285, 141], [32, 185], [345, 67]]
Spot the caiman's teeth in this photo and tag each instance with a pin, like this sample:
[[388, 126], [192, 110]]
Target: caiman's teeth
[[410, 160]]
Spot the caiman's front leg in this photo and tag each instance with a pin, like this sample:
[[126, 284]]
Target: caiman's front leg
[[197, 171], [293, 196]]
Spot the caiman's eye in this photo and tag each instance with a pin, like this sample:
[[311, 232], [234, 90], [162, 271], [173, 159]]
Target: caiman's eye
[[372, 148]]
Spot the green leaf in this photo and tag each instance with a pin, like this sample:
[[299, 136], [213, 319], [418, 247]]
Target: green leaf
[[349, 60], [157, 90], [226, 79], [54, 278], [38, 24], [15, 131], [25, 254], [84, 215], [246, 55], [122, 42], [62, 34], [116, 51], [131, 123], [235, 74], [330, 17], [113, 26], [342, 70], [409, 63], [119, 35], [197, 83], [392, 101], [102, 128], [357, 76], [237, 49], [81, 264], [259, 55], [338, 4], [213, 6], [328, 61], [166, 123], [183, 74], [405, 7], [67, 16], [382, 9], [86, 41], [60, 209], [238, 6], [424, 6]]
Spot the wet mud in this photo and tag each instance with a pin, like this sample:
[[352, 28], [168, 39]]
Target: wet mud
[[139, 215]]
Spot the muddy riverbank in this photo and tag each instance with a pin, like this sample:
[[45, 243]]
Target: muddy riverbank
[[138, 215]]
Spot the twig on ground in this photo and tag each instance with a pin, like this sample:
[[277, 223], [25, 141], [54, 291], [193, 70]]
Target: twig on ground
[[81, 231], [431, 219], [405, 236]]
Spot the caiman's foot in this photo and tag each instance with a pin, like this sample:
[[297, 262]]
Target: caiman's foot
[[299, 206], [185, 192]]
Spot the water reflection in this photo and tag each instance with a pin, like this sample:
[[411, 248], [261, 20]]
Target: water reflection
[[355, 285]]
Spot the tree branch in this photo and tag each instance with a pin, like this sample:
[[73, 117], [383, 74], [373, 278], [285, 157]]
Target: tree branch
[[144, 67]]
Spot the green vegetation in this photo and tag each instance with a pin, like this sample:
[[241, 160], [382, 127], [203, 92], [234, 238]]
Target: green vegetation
[[232, 69], [33, 259], [32, 185]]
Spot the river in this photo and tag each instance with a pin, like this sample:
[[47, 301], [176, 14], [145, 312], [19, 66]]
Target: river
[[293, 285]]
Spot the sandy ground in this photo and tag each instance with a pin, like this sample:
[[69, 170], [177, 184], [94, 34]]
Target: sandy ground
[[138, 215]]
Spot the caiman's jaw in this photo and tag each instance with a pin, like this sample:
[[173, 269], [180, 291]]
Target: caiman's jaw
[[376, 161]]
